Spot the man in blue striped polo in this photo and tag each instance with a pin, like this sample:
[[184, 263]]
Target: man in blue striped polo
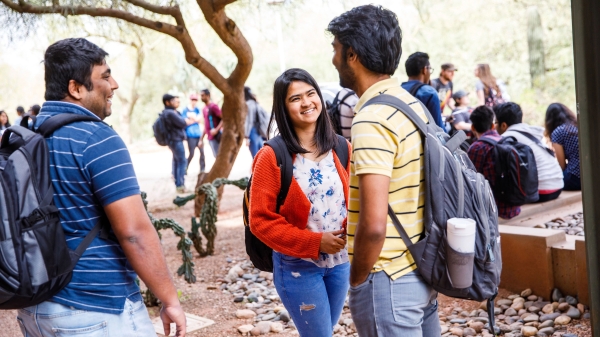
[[93, 180]]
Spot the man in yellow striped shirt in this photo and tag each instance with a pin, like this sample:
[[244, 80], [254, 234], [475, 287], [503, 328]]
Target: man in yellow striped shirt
[[388, 297]]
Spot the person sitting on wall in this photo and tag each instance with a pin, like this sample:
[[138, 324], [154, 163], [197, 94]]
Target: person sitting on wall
[[481, 153], [510, 124]]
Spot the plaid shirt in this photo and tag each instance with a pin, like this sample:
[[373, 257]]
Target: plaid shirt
[[480, 154]]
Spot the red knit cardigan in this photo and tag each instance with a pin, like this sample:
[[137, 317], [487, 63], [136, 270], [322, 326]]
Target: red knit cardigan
[[285, 231]]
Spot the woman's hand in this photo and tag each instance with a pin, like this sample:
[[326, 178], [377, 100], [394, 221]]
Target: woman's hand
[[333, 242]]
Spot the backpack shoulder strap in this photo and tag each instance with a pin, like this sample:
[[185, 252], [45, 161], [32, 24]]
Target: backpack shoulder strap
[[488, 140], [55, 122], [415, 88], [536, 141], [397, 103], [348, 94], [341, 150], [285, 163]]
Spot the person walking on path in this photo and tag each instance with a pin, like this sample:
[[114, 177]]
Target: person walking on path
[[194, 130], [253, 138], [20, 115], [419, 72], [490, 91], [482, 156], [212, 122], [388, 297], [509, 119], [176, 126], [443, 85], [4, 122], [562, 129], [310, 261], [94, 180]]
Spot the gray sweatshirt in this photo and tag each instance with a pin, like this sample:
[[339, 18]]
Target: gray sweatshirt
[[550, 175]]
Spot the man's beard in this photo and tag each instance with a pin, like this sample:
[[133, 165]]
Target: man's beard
[[99, 108], [347, 76]]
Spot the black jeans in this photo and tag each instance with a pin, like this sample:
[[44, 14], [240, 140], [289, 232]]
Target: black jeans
[[192, 145], [548, 197]]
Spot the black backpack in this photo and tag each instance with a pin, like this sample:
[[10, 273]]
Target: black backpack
[[161, 132], [334, 111], [516, 171], [36, 262], [260, 254]]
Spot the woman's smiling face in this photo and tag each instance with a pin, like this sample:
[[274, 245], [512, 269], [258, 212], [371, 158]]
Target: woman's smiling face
[[3, 118], [303, 104]]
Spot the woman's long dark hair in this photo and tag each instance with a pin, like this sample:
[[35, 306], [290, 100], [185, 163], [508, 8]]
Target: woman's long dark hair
[[558, 114], [325, 137]]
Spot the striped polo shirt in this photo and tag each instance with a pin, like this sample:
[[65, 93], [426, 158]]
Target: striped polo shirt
[[90, 168], [386, 142]]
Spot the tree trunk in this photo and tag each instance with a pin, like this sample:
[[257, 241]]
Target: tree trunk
[[234, 116], [535, 42]]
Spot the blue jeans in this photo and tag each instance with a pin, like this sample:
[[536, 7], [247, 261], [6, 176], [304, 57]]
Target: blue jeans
[[179, 162], [313, 296], [192, 145], [405, 307], [256, 142], [214, 145], [49, 319], [572, 182]]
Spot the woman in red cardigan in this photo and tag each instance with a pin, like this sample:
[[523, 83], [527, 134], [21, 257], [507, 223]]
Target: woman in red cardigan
[[310, 261]]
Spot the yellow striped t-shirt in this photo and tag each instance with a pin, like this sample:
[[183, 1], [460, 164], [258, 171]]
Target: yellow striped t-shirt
[[386, 142]]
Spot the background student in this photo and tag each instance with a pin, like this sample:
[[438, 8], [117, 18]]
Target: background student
[[195, 124], [561, 127]]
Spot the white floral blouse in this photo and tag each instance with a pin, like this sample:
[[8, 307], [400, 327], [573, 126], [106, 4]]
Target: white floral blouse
[[324, 189]]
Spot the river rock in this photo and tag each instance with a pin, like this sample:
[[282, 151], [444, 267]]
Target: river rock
[[546, 324], [469, 332], [245, 314], [573, 313], [244, 329], [571, 300], [264, 327], [477, 326], [531, 318], [458, 321], [526, 292], [551, 316], [532, 298], [284, 315], [504, 302], [533, 308], [547, 331], [517, 305], [510, 312], [556, 295], [529, 331], [548, 309], [456, 332], [444, 329], [562, 320], [581, 307], [564, 306], [276, 327]]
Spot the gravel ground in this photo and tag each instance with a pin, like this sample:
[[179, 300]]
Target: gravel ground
[[204, 297]]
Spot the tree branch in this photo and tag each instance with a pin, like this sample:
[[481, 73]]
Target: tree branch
[[162, 27], [164, 10], [220, 4]]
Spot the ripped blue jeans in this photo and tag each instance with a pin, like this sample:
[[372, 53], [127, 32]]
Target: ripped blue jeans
[[313, 296]]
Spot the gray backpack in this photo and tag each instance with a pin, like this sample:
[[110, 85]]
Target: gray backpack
[[35, 262], [453, 189]]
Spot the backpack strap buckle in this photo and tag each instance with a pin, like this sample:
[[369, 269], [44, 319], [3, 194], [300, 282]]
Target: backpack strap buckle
[[37, 215]]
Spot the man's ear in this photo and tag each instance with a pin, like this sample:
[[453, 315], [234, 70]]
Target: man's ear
[[75, 90], [493, 126], [351, 56]]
